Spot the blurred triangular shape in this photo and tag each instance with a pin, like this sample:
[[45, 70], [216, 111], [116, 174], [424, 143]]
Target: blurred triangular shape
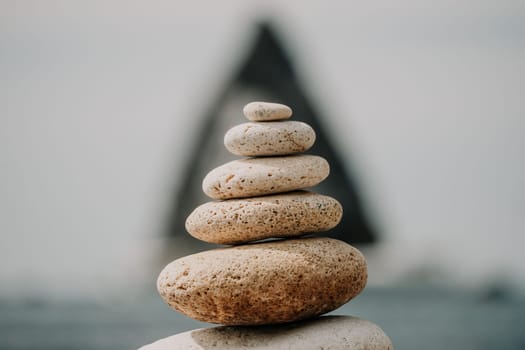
[[266, 75]]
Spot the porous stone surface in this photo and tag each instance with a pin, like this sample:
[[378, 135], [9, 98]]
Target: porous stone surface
[[266, 111], [264, 283], [252, 177], [328, 333], [269, 139], [236, 221]]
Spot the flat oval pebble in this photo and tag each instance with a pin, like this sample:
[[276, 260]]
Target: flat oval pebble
[[283, 215], [269, 139], [328, 332], [264, 283], [266, 111], [252, 177]]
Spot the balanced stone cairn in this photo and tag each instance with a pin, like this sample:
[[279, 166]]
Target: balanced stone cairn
[[281, 285]]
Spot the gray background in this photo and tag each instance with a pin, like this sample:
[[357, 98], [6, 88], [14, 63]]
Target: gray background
[[99, 101]]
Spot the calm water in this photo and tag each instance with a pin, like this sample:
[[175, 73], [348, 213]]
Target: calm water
[[413, 318]]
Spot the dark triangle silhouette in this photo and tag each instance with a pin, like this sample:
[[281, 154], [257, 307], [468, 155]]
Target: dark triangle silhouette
[[266, 75]]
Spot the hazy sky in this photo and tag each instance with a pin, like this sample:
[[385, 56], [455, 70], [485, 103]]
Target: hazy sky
[[99, 99]]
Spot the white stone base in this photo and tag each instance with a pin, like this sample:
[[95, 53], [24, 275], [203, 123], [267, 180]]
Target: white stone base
[[327, 332]]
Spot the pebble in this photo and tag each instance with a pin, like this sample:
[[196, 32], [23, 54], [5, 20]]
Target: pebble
[[280, 286], [237, 221], [264, 283], [328, 332], [266, 111], [269, 139], [252, 177]]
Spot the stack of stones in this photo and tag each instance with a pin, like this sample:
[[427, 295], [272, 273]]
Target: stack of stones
[[285, 283]]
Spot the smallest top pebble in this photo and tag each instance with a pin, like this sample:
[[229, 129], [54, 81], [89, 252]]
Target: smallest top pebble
[[266, 111]]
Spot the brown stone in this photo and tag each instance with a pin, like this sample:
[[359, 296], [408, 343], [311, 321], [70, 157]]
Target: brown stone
[[264, 283], [266, 111], [282, 215], [269, 138], [252, 177]]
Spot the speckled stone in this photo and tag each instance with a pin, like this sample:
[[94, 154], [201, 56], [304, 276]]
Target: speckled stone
[[328, 333], [269, 139], [252, 177], [282, 215], [266, 111], [264, 283]]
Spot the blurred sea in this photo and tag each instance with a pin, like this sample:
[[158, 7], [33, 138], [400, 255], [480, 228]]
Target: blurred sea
[[414, 318]]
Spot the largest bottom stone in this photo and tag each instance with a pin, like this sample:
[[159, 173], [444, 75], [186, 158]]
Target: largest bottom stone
[[264, 283], [328, 332]]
